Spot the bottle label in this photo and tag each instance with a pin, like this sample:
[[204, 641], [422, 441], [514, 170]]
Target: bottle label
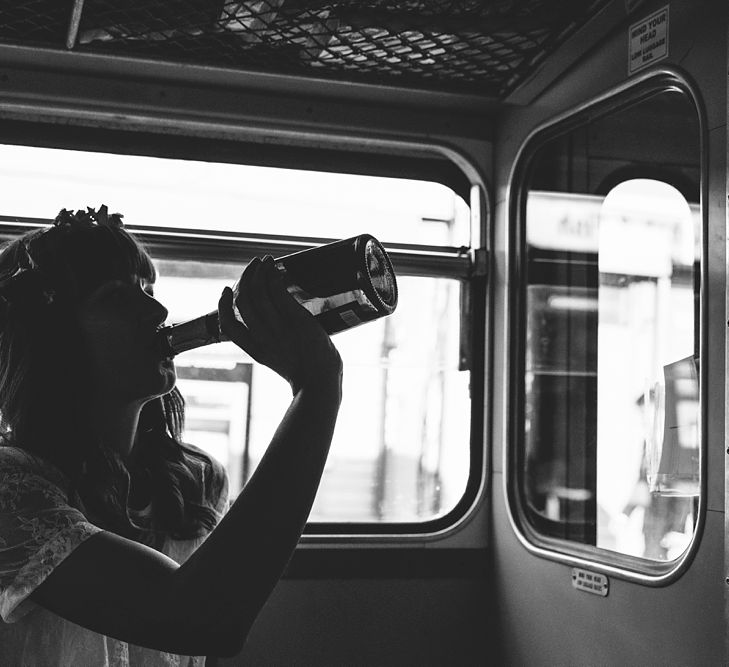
[[350, 318], [317, 305]]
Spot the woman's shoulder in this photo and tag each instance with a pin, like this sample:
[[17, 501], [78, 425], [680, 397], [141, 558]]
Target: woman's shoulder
[[25, 474], [202, 460], [17, 459], [11, 456], [211, 474]]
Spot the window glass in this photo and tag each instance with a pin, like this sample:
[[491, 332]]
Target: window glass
[[401, 449], [401, 445], [611, 453], [192, 194]]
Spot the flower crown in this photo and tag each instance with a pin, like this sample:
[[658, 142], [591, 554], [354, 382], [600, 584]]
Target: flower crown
[[89, 218], [28, 284]]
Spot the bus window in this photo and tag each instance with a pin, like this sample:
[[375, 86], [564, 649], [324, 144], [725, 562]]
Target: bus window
[[611, 447], [401, 451], [403, 395]]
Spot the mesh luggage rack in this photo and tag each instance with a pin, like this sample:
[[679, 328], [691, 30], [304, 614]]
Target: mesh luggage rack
[[481, 47]]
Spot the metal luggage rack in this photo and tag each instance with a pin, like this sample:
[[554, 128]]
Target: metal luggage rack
[[476, 46]]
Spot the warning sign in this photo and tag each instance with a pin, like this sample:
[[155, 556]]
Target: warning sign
[[648, 41]]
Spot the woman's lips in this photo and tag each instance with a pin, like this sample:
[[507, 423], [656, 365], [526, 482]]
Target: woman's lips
[[159, 346]]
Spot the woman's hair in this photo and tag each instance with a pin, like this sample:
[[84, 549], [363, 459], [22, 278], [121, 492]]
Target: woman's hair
[[45, 381]]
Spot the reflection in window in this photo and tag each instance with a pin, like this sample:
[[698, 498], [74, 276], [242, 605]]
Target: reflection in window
[[612, 418], [648, 413]]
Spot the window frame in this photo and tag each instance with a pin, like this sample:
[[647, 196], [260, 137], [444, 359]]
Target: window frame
[[596, 559], [433, 162]]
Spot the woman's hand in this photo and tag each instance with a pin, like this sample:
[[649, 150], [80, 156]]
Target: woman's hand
[[276, 331]]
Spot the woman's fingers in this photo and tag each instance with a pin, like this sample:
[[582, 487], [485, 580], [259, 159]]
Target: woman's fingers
[[260, 289], [229, 324], [258, 326], [258, 346], [276, 330], [245, 297], [253, 300], [289, 307]]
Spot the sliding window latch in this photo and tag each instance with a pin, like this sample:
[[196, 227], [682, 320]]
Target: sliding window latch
[[479, 261]]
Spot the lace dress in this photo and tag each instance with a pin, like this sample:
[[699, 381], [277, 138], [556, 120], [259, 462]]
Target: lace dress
[[39, 527]]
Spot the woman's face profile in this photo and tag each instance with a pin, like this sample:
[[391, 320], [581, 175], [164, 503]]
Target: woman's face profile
[[118, 321]]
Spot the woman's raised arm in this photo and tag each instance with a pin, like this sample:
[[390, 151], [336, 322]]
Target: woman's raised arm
[[123, 589]]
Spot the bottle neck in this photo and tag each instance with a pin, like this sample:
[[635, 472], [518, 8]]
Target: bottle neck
[[203, 330]]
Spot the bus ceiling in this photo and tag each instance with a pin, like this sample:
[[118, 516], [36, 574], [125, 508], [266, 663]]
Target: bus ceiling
[[489, 51]]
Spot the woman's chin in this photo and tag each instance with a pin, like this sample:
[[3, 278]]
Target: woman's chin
[[165, 380]]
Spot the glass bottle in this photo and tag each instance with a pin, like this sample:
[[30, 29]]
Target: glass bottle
[[343, 284]]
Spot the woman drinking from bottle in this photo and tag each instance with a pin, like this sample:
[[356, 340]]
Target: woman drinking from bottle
[[117, 546]]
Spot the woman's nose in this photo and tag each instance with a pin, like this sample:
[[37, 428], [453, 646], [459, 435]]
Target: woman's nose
[[156, 313]]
